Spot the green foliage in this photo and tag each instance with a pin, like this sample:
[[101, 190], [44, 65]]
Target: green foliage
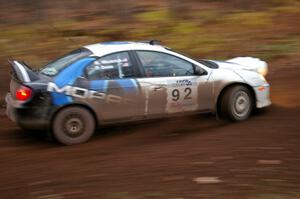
[[282, 48], [154, 16], [215, 31], [249, 19], [289, 9]]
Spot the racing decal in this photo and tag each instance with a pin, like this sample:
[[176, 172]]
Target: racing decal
[[128, 85], [114, 61], [124, 86], [86, 94], [109, 98], [99, 85], [68, 77], [122, 98], [182, 95]]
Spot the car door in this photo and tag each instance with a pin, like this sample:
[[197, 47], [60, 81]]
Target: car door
[[116, 93], [169, 83]]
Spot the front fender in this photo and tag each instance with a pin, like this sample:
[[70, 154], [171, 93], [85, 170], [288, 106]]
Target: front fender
[[252, 78], [221, 79]]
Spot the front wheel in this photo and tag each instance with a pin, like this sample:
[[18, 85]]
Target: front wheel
[[236, 103], [73, 125]]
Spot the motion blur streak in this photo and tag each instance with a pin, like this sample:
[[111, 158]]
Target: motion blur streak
[[192, 157]]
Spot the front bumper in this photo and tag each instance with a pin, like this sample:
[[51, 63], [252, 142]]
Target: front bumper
[[26, 117], [262, 94]]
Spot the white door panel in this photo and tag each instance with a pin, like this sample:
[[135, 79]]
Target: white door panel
[[165, 95], [182, 94]]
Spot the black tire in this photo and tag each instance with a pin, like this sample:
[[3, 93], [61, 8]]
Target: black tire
[[73, 125], [236, 103]]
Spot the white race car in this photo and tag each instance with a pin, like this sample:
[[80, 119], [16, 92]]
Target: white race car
[[115, 82]]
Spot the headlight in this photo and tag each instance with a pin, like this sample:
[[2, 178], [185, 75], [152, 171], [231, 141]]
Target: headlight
[[262, 77], [263, 71]]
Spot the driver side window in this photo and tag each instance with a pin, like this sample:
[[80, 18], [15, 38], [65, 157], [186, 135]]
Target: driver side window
[[157, 64]]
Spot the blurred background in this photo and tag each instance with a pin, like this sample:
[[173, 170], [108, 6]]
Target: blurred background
[[37, 31], [179, 158]]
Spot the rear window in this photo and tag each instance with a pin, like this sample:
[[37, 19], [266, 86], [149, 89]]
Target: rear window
[[54, 67]]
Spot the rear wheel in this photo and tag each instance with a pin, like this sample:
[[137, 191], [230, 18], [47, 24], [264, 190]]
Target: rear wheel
[[236, 103], [73, 125]]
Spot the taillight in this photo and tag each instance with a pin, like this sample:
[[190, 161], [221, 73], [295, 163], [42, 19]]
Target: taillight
[[23, 93]]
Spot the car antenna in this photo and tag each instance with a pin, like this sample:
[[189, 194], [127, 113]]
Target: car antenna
[[152, 42]]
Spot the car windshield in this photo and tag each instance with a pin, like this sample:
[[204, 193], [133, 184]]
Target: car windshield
[[205, 62], [52, 68]]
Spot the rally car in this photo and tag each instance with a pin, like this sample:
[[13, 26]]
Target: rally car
[[114, 82]]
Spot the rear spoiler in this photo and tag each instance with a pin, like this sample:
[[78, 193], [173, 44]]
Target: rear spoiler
[[22, 72]]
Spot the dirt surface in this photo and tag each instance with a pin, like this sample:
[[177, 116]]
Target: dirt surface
[[192, 157]]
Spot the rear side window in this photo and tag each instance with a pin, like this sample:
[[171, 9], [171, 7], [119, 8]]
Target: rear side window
[[117, 65], [54, 67]]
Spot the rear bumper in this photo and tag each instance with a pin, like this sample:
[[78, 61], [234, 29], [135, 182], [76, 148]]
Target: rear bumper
[[26, 117], [262, 94]]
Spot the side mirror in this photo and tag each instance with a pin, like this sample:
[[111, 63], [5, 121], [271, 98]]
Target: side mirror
[[200, 71]]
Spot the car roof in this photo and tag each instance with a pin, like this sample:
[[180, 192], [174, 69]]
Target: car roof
[[104, 48]]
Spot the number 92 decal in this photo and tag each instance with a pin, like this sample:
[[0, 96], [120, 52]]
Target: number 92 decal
[[182, 96], [187, 94]]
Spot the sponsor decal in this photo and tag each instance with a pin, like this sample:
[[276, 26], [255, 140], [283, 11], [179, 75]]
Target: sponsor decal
[[114, 61], [182, 82], [182, 95], [87, 94]]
